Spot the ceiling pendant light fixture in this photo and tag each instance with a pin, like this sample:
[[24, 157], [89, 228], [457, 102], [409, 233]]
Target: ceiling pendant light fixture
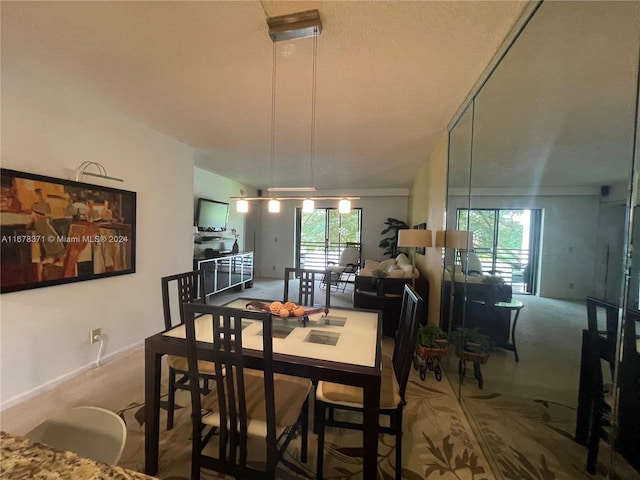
[[274, 204], [289, 27], [242, 206], [344, 205], [308, 205]]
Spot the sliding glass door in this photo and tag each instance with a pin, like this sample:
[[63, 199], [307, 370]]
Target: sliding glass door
[[322, 235], [507, 242]]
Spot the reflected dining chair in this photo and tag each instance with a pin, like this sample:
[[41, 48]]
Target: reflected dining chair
[[188, 287], [307, 280], [395, 374], [243, 405], [89, 432]]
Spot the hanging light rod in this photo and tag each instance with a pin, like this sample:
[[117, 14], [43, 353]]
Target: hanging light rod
[[294, 198], [291, 189], [295, 25]]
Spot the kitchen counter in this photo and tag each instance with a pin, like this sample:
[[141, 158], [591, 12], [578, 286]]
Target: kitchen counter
[[20, 458]]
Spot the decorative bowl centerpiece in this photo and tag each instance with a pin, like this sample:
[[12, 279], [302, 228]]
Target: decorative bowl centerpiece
[[286, 310]]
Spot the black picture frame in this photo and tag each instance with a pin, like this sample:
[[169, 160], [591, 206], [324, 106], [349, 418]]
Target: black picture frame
[[55, 231], [421, 226]]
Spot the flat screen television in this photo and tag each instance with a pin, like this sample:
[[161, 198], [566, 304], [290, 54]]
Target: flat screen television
[[211, 215]]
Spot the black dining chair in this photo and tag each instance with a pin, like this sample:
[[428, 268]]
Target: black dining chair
[[628, 439], [598, 344], [395, 374], [243, 405], [307, 281], [186, 287]]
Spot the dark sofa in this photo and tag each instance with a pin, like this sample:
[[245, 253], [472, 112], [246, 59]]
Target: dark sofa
[[388, 299]]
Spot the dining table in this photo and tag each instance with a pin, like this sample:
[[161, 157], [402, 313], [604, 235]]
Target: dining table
[[342, 345]]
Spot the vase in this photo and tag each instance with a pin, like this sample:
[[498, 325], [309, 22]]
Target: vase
[[235, 249]]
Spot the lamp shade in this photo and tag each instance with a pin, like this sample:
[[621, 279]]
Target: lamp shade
[[242, 206], [454, 239], [274, 206], [308, 205], [414, 238], [344, 206]]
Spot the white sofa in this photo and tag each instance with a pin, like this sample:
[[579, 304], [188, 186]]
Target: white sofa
[[399, 267]]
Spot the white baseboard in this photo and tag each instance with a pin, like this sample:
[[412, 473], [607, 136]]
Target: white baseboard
[[12, 402]]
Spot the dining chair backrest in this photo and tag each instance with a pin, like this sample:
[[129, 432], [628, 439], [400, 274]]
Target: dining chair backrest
[[226, 353], [611, 312], [412, 310], [90, 432], [628, 441], [190, 289], [307, 281]]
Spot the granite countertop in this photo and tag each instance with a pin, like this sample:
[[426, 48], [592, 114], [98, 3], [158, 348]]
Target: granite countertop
[[20, 458]]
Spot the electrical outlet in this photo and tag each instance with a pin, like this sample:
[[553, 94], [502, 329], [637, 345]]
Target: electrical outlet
[[95, 335]]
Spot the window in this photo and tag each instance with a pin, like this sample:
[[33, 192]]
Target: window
[[507, 242], [323, 234]]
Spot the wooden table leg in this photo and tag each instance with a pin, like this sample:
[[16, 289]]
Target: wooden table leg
[[370, 430], [152, 369], [584, 393]]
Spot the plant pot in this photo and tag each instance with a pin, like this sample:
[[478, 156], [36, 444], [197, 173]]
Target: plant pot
[[235, 249], [434, 352], [480, 358]]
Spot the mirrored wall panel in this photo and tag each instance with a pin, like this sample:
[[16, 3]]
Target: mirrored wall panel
[[540, 173]]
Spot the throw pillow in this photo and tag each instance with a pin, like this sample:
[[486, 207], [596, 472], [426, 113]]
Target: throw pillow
[[402, 259]]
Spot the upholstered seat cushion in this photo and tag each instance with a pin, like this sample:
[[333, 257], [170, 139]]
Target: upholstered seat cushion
[[351, 396], [290, 395], [181, 364]]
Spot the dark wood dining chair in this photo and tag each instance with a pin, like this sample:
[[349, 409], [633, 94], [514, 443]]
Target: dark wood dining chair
[[243, 405], [598, 344], [395, 374], [307, 281], [187, 287], [628, 439]]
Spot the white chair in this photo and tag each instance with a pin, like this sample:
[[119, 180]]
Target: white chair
[[344, 272], [89, 432]]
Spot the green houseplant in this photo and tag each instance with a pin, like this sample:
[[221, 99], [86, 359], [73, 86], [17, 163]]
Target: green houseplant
[[431, 344], [431, 336], [390, 242]]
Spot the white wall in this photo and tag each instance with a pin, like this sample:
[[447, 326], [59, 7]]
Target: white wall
[[216, 187], [49, 126]]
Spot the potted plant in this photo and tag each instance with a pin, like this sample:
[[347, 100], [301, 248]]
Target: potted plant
[[471, 345], [431, 339], [390, 243], [493, 293], [431, 345]]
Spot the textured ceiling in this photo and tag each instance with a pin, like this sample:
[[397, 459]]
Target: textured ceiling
[[390, 77]]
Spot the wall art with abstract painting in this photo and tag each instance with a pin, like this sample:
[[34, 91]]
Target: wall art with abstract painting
[[55, 231]]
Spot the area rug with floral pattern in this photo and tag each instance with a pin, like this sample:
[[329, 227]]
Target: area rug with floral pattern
[[438, 442]]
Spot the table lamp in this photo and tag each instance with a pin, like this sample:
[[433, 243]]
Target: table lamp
[[414, 239], [455, 239]]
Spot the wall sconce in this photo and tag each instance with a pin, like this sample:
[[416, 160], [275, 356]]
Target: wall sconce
[[102, 173]]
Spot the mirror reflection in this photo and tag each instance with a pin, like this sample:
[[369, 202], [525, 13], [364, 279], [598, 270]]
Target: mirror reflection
[[540, 174]]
